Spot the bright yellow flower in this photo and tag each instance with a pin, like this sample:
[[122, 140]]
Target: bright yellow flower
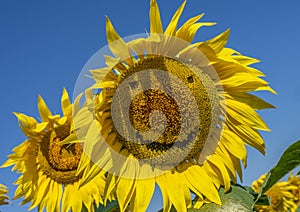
[[283, 196], [164, 83], [3, 196], [48, 167]]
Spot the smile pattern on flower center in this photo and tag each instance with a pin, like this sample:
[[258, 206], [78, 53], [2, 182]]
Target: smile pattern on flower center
[[165, 117]]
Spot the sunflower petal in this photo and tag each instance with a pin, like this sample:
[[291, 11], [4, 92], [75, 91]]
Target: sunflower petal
[[218, 43], [44, 184], [26, 121], [220, 168], [204, 186], [188, 30], [27, 125], [253, 101], [125, 190], [244, 60], [154, 16], [143, 194], [116, 43], [40, 127], [65, 103], [234, 144], [171, 29], [244, 114], [160, 180], [43, 109], [76, 104]]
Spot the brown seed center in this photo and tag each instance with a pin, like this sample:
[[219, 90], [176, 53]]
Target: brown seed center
[[59, 161]]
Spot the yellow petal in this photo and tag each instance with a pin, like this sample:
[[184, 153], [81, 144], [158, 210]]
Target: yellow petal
[[266, 88], [160, 180], [244, 114], [225, 158], [177, 190], [125, 190], [207, 51], [171, 29], [72, 138], [82, 121], [57, 189], [68, 200], [237, 165], [204, 186], [50, 202], [249, 135], [43, 186], [143, 194], [218, 43], [221, 171], [26, 121], [228, 52], [99, 74], [185, 27], [251, 100], [242, 80], [155, 21], [112, 62], [76, 105], [188, 30], [199, 202], [66, 104], [62, 120], [43, 109], [233, 144], [116, 44], [111, 182], [40, 127], [27, 125], [244, 60]]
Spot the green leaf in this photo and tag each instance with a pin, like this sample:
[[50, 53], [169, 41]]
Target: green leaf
[[263, 200], [236, 199], [289, 160]]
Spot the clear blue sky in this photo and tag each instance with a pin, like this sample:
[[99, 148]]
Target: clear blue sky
[[45, 44]]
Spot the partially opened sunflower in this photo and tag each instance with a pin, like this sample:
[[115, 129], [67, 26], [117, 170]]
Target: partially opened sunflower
[[171, 112], [3, 196], [48, 168], [283, 196]]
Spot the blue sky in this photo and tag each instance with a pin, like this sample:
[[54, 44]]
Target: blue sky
[[45, 44]]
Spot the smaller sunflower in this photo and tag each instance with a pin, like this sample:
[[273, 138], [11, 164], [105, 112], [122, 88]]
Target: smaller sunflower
[[48, 161], [283, 196], [3, 196]]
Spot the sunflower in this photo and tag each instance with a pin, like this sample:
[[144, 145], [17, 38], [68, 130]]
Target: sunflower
[[3, 197], [169, 111], [283, 196], [48, 167]]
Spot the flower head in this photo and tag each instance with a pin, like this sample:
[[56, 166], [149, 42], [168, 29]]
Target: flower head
[[283, 196], [48, 160], [3, 196], [170, 112]]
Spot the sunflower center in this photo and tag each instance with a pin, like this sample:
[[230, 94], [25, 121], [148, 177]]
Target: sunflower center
[[167, 111], [60, 161], [157, 111]]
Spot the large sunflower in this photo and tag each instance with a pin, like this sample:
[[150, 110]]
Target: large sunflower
[[283, 196], [170, 112], [3, 196], [48, 167]]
